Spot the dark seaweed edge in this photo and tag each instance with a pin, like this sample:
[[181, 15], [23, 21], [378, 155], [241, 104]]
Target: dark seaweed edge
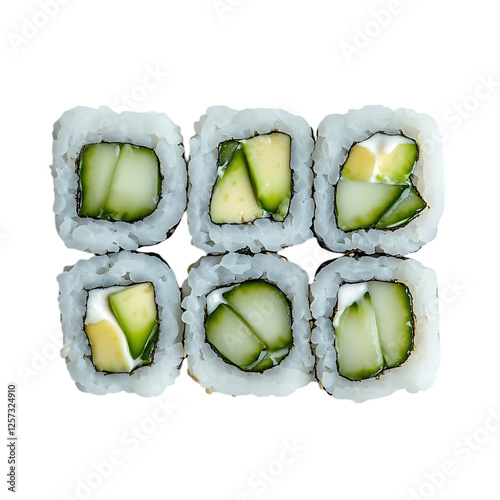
[[382, 371], [79, 187], [290, 308], [169, 232], [159, 322], [292, 191], [410, 184], [155, 343]]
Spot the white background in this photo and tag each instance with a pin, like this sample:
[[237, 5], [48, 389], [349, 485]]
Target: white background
[[311, 58]]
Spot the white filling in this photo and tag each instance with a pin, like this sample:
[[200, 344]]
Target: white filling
[[348, 295], [215, 298], [380, 143], [98, 307]]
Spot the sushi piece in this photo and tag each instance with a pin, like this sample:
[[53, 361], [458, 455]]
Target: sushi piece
[[120, 180], [250, 180], [121, 323], [379, 181], [376, 326], [247, 324]]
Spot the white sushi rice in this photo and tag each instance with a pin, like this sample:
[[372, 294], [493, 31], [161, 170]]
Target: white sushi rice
[[205, 365], [80, 126], [419, 370], [336, 135], [123, 268], [220, 124]]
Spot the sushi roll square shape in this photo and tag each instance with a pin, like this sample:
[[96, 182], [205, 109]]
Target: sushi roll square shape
[[120, 179], [96, 304], [225, 300], [250, 180], [363, 308], [378, 185]]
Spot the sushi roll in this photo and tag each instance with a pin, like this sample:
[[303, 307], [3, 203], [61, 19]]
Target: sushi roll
[[379, 181], [250, 180], [120, 316], [119, 179], [247, 324], [375, 326]]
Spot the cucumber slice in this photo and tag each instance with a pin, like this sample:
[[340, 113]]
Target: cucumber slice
[[135, 310], [97, 168], [118, 181], [233, 199], [356, 340], [264, 307], [135, 189], [361, 204], [268, 158], [146, 355], [393, 312], [232, 338], [226, 151], [397, 166], [406, 207], [359, 165], [264, 364]]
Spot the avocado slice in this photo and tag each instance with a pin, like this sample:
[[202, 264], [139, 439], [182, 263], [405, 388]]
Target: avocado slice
[[397, 166], [356, 341], [361, 204], [264, 307], [268, 158], [135, 310], [233, 199], [405, 208], [135, 190], [393, 312], [97, 168], [228, 332], [360, 164], [109, 348]]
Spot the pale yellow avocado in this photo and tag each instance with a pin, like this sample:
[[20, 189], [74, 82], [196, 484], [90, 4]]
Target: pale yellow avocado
[[233, 200], [359, 165], [109, 347]]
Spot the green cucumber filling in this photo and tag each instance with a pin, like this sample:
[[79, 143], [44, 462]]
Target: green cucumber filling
[[373, 326], [249, 325], [121, 324], [254, 179], [119, 182], [375, 189]]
